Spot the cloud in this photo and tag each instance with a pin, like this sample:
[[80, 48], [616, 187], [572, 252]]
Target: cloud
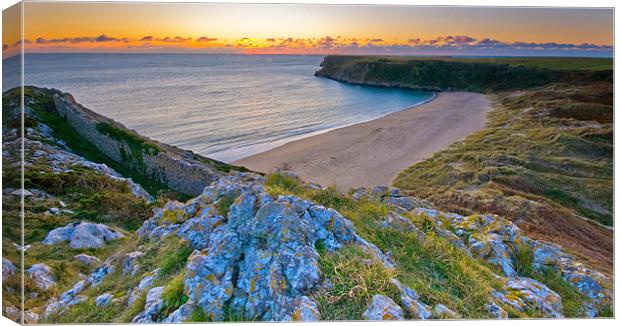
[[206, 39], [443, 44], [176, 39], [85, 39]]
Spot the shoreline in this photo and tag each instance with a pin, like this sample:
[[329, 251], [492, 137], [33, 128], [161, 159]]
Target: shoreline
[[374, 152], [267, 146]]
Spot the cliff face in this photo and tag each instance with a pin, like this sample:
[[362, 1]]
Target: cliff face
[[445, 74], [177, 169]]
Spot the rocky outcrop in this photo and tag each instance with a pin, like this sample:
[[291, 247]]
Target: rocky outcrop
[[255, 257], [82, 235], [501, 243], [391, 196], [525, 293], [258, 260]]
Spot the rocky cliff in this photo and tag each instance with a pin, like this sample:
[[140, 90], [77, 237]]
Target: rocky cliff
[[177, 169]]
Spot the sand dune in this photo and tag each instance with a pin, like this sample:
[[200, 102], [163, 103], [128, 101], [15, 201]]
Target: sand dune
[[374, 152]]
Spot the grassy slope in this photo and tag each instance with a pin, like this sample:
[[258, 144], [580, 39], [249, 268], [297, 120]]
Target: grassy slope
[[545, 158], [437, 270]]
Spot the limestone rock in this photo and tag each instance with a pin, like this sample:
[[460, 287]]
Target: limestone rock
[[496, 311], [183, 313], [130, 262], [8, 269], [41, 274], [87, 260], [383, 308], [304, 309], [524, 293], [152, 307], [103, 300], [145, 282], [82, 235]]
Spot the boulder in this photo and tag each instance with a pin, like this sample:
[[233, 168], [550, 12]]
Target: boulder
[[152, 307], [183, 313], [524, 293], [8, 269], [86, 260], [82, 235], [41, 274], [103, 300], [383, 308]]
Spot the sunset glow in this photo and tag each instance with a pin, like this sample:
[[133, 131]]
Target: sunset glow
[[312, 29]]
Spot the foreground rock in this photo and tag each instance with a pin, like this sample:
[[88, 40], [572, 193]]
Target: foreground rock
[[261, 256], [82, 235]]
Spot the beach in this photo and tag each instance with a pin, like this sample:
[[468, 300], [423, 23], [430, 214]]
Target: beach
[[374, 152]]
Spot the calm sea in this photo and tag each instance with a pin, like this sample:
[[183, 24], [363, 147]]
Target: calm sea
[[222, 106]]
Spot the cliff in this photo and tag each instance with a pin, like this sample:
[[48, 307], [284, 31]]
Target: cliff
[[438, 74], [145, 159]]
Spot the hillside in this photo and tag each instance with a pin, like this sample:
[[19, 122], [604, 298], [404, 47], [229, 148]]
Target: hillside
[[118, 240], [545, 158]]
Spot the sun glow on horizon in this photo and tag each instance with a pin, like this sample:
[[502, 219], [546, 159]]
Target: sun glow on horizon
[[309, 29]]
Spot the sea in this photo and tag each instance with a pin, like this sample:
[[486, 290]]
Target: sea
[[224, 106]]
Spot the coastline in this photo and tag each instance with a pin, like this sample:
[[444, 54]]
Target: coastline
[[374, 152], [259, 148]]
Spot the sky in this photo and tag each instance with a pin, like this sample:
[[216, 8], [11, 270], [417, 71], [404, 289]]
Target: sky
[[307, 29]]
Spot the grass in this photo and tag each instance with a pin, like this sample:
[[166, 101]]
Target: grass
[[172, 295], [356, 278]]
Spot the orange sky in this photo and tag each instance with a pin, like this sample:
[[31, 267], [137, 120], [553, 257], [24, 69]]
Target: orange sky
[[295, 28]]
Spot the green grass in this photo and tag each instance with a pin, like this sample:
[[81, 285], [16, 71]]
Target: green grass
[[173, 296], [356, 278], [223, 204]]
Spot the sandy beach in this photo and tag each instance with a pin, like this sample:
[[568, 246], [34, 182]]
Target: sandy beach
[[374, 152]]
